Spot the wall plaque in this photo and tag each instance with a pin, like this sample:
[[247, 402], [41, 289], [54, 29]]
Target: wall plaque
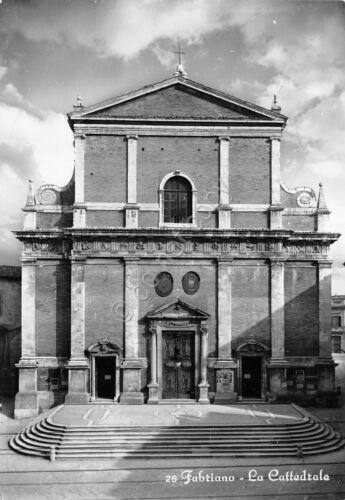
[[163, 284], [191, 282]]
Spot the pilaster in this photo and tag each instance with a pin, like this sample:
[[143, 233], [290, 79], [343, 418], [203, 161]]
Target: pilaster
[[277, 366], [224, 308], [224, 209], [26, 401], [79, 180], [132, 364], [275, 208], [225, 366], [277, 310], [78, 364], [131, 208]]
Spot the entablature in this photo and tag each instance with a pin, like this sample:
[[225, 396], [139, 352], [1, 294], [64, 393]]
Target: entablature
[[166, 243]]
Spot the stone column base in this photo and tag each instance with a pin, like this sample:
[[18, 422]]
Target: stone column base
[[224, 216], [77, 382], [203, 393], [277, 378], [26, 400], [131, 215], [26, 405], [153, 394], [225, 376]]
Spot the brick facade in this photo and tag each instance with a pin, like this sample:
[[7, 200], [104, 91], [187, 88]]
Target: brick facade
[[181, 307]]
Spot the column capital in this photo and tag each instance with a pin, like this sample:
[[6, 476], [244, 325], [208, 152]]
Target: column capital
[[223, 138], [28, 261], [225, 260], [79, 136], [327, 264], [130, 259], [277, 261], [203, 330], [153, 330], [132, 137], [273, 138], [78, 259]]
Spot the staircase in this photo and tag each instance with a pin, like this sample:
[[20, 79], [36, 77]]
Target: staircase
[[47, 439]]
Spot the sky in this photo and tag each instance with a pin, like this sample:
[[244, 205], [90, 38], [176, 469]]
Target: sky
[[52, 50]]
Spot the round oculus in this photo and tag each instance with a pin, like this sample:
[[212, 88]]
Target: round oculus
[[163, 284], [191, 282]]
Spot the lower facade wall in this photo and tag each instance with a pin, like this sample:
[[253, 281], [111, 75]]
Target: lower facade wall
[[300, 375]]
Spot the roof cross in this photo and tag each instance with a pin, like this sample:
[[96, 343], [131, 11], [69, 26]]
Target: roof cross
[[179, 70], [179, 52]]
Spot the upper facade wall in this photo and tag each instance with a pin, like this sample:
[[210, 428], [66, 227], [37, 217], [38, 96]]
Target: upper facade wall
[[226, 149]]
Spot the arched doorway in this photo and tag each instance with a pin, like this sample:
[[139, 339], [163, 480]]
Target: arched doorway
[[252, 379], [104, 370]]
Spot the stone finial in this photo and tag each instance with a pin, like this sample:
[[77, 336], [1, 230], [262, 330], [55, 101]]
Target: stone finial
[[321, 201], [180, 71], [79, 103], [30, 198], [275, 106]]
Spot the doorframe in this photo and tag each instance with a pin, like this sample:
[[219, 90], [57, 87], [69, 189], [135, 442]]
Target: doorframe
[[262, 368], [192, 330], [104, 349], [252, 349]]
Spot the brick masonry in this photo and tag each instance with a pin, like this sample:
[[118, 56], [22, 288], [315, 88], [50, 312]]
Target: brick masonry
[[301, 310], [53, 295], [105, 169]]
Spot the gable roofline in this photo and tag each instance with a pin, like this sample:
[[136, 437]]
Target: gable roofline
[[169, 82]]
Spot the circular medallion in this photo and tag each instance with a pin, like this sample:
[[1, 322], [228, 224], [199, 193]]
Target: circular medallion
[[163, 284], [191, 282]]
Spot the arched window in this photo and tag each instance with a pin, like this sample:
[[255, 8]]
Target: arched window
[[178, 201]]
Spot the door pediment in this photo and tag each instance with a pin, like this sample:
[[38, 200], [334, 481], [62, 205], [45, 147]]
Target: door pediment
[[104, 347], [178, 309]]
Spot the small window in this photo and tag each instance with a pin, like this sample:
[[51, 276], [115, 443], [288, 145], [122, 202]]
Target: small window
[[336, 321], [177, 201], [163, 284], [336, 343]]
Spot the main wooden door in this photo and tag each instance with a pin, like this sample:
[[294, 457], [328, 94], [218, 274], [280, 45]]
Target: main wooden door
[[251, 376], [178, 365], [105, 377]]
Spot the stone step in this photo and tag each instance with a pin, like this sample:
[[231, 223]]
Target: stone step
[[178, 441]]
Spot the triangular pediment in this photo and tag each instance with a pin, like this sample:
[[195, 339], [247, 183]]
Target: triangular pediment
[[177, 99], [178, 309]]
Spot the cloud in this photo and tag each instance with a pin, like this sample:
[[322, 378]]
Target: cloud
[[31, 146], [126, 27]]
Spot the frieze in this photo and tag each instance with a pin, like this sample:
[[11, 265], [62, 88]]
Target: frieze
[[175, 247], [306, 249], [51, 247], [198, 248]]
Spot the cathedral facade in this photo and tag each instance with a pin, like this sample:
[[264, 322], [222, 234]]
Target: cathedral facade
[[176, 264]]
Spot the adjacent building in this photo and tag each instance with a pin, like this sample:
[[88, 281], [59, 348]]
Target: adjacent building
[[338, 324], [10, 328], [176, 264]]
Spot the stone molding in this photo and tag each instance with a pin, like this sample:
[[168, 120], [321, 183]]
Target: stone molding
[[173, 247]]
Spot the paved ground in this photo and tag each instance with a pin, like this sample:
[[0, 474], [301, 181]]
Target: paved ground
[[175, 414], [31, 478]]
